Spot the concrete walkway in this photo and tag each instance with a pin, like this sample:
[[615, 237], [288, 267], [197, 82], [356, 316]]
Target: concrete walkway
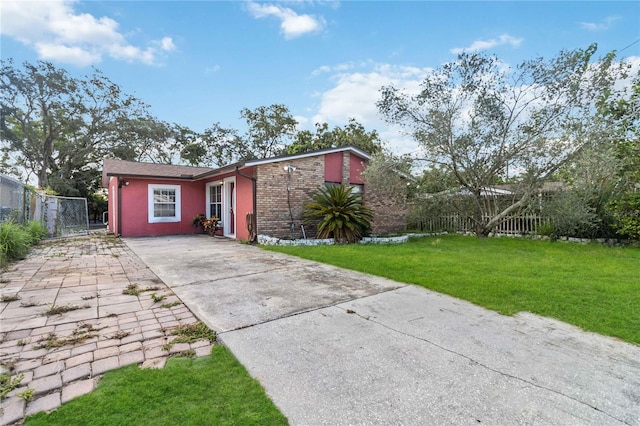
[[332, 346], [62, 355]]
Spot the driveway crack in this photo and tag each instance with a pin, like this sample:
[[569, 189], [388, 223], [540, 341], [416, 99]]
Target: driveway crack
[[485, 366]]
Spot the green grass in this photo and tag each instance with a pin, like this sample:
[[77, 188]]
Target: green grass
[[592, 286], [204, 391]]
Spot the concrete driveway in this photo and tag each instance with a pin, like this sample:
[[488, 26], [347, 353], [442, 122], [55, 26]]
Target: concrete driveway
[[332, 346]]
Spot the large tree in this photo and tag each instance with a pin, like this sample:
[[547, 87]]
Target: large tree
[[353, 134], [59, 128], [484, 120], [216, 146], [269, 130], [625, 112]]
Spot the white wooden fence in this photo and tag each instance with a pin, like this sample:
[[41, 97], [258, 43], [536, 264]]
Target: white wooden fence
[[524, 224]]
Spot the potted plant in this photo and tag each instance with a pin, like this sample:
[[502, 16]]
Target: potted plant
[[208, 225]]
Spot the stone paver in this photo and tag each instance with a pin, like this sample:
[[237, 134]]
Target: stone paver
[[115, 329], [77, 389]]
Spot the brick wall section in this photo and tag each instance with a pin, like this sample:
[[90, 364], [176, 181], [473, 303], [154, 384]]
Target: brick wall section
[[346, 168], [271, 202], [273, 215], [389, 213]]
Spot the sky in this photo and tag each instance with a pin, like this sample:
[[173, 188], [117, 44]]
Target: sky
[[200, 62]]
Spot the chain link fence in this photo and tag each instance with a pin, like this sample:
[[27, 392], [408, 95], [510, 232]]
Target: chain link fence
[[62, 216], [14, 200]]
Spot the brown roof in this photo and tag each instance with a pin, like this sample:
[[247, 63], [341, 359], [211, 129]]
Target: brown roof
[[121, 168]]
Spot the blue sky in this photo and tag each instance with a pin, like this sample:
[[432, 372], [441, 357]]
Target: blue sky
[[201, 62]]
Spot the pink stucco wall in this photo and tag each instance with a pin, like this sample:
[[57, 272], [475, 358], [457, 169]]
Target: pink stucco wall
[[135, 206], [244, 203], [333, 167], [356, 167]]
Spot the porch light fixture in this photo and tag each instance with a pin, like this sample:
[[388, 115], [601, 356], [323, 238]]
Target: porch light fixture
[[289, 168]]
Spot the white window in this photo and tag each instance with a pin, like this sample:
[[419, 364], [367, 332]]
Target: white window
[[164, 203], [357, 189], [215, 201]]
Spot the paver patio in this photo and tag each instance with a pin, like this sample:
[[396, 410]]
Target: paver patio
[[106, 330]]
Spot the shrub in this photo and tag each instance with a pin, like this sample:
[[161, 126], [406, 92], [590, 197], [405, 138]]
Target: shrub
[[36, 230], [627, 214], [340, 213], [14, 241], [570, 216]]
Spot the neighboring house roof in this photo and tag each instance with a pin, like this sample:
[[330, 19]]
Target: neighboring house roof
[[121, 168], [503, 189]]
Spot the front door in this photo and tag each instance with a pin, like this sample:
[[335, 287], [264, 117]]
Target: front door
[[229, 213]]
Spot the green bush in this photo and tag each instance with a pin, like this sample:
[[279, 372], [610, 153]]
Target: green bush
[[570, 216], [37, 231], [627, 213], [15, 239]]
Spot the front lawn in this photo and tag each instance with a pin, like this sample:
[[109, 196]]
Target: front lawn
[[212, 390], [592, 286]]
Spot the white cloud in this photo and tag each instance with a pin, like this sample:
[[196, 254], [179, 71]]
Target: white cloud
[[291, 24], [354, 95], [73, 55], [478, 45], [302, 121], [212, 70], [57, 32], [325, 69], [599, 26], [167, 44]]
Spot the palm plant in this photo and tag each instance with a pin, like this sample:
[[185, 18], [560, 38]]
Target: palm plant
[[340, 214]]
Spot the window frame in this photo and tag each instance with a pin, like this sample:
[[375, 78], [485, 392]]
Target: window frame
[[210, 201], [177, 217]]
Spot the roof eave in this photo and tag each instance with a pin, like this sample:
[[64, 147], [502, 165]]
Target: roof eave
[[353, 149]]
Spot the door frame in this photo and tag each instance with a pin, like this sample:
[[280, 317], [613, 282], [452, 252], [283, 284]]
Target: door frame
[[229, 220]]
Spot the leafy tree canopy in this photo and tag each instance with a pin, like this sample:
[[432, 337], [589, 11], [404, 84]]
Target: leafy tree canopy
[[484, 121], [353, 134], [59, 128]]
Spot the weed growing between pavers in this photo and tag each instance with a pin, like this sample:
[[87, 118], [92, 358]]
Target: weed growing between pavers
[[157, 298], [170, 305], [120, 335], [9, 298], [190, 333], [27, 394], [8, 381], [29, 304], [82, 333], [134, 290], [61, 309], [89, 297]]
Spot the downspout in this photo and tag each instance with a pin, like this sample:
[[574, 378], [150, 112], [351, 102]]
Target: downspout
[[255, 203], [119, 218]]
